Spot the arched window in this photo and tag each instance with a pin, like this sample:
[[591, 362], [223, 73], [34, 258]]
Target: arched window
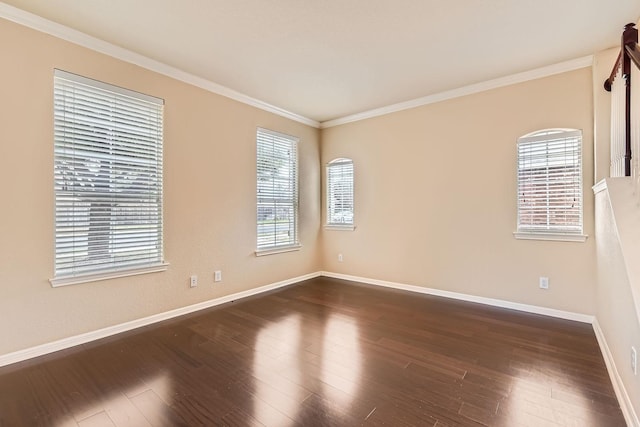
[[550, 185], [340, 192]]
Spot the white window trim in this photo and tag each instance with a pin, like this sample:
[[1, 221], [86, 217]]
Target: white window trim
[[295, 245], [552, 235], [99, 274], [95, 277], [556, 237], [338, 226], [281, 250]]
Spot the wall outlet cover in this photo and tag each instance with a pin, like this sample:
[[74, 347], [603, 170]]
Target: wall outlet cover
[[544, 282]]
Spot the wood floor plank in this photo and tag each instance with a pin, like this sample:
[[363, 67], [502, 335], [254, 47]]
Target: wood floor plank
[[156, 412], [324, 352], [124, 413], [101, 419]]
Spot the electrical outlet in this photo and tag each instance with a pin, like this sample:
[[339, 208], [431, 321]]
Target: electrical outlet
[[217, 276], [544, 282], [340, 258], [634, 361], [193, 281]]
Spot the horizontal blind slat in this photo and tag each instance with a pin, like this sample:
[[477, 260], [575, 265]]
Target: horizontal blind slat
[[340, 192], [550, 181], [108, 176], [277, 190]]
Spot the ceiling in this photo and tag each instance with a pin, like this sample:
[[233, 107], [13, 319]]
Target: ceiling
[[326, 59]]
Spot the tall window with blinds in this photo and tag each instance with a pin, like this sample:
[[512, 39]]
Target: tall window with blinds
[[340, 193], [277, 191], [108, 178], [550, 182]]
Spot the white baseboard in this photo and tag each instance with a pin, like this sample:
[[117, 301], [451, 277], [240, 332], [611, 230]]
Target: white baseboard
[[578, 317], [626, 406], [40, 350]]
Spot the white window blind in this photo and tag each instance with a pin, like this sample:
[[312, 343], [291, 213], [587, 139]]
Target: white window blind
[[108, 177], [550, 182], [340, 192], [277, 174]]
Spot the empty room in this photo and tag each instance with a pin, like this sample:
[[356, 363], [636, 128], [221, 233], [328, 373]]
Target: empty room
[[330, 213]]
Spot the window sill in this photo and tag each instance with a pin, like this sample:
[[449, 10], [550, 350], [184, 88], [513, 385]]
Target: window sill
[[558, 237], [340, 227], [264, 252], [86, 278]]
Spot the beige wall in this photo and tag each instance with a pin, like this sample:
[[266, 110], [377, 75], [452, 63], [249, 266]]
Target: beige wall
[[616, 310], [209, 197], [616, 222], [436, 196]]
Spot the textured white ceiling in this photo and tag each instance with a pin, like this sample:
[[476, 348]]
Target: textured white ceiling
[[325, 59]]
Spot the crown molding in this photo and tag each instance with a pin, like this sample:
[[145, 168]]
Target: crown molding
[[79, 38], [60, 31], [550, 70]]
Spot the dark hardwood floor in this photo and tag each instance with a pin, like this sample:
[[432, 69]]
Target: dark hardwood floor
[[324, 353]]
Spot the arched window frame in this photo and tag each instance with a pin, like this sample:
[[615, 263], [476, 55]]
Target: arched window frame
[[550, 200]]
